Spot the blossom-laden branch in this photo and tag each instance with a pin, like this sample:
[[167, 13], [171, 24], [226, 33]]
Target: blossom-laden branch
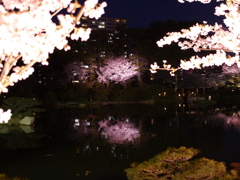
[[28, 33], [219, 38], [166, 67]]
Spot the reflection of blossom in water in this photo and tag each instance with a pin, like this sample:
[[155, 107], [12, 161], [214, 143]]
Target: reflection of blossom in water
[[118, 132], [230, 121]]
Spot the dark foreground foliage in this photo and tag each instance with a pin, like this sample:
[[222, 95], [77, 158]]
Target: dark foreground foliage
[[5, 177], [175, 164]]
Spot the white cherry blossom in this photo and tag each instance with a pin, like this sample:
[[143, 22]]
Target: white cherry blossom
[[223, 39], [29, 34]]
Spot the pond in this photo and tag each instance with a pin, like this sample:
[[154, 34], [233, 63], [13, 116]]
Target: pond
[[99, 143]]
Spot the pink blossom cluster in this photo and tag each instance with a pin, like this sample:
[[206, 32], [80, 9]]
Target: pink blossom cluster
[[219, 38], [117, 70]]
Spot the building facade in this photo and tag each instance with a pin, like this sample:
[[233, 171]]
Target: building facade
[[103, 23]]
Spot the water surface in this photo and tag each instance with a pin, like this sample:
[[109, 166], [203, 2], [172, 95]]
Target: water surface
[[69, 143]]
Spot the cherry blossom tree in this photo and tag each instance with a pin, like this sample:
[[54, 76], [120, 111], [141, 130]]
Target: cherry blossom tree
[[117, 70], [29, 33], [224, 39], [74, 71]]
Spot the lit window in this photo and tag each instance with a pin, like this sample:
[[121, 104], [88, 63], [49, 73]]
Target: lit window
[[84, 25], [101, 27], [75, 81], [85, 66], [102, 23], [117, 20], [84, 17], [93, 22]]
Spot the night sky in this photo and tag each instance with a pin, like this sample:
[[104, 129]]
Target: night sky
[[141, 13]]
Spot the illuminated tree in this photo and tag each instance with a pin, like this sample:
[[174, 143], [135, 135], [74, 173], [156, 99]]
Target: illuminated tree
[[75, 72], [223, 39], [29, 33], [117, 70]]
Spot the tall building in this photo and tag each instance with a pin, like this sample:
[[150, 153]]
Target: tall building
[[103, 23]]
